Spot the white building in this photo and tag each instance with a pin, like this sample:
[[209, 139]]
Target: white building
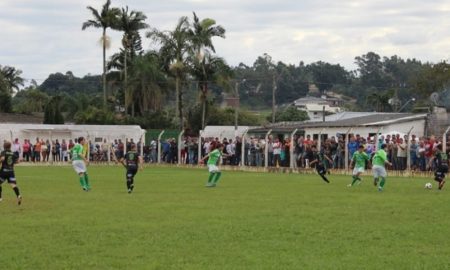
[[95, 133], [317, 108]]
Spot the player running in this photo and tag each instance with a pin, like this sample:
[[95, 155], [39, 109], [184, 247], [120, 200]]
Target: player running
[[359, 160], [379, 171], [79, 162], [319, 158], [213, 159], [132, 162], [441, 160], [8, 159]]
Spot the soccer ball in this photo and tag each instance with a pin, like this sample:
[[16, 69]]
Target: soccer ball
[[428, 186]]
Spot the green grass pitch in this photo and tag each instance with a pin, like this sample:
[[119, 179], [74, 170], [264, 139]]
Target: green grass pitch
[[250, 221]]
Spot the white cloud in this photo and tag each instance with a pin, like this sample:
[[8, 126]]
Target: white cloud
[[43, 37]]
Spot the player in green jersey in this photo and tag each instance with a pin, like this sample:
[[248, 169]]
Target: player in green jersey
[[213, 159], [7, 160], [379, 160], [359, 160], [79, 162]]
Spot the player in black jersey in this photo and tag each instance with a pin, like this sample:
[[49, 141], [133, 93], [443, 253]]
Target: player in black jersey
[[132, 162], [8, 159], [319, 160], [441, 161]]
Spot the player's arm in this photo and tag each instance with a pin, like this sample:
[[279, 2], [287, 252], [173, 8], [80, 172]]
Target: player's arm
[[314, 161], [203, 159], [387, 162], [431, 162]]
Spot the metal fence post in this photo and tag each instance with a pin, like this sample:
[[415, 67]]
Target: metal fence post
[[159, 146], [266, 150], [377, 138], [291, 150], [179, 146], [408, 149], [444, 140], [346, 148], [244, 135]]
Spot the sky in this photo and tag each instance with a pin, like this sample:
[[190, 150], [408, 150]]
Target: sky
[[45, 36]]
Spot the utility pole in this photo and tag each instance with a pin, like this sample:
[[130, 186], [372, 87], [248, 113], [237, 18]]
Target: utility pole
[[236, 107], [274, 89]]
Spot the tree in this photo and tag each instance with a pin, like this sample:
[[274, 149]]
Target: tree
[[379, 101], [370, 69], [202, 33], [11, 78], [52, 113], [30, 100], [130, 23], [205, 66], [148, 83], [291, 113], [175, 48], [10, 82], [432, 78], [326, 75], [107, 18], [210, 69]]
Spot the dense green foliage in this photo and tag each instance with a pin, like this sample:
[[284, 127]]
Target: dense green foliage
[[250, 221], [52, 112], [290, 113]]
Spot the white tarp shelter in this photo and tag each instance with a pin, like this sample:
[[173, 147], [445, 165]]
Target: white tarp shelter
[[95, 133], [221, 132]]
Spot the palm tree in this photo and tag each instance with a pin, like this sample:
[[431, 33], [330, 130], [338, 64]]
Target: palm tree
[[175, 47], [107, 18], [202, 33], [147, 81], [130, 24], [210, 68], [11, 78]]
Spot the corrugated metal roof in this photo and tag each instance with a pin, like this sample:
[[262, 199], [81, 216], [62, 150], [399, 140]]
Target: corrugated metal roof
[[368, 120]]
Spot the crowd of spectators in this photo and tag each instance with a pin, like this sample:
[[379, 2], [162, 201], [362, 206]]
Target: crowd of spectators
[[278, 148]]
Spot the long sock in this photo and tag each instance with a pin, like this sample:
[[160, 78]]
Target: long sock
[[132, 183], [211, 177], [86, 179], [383, 181], [441, 183], [216, 179], [128, 183], [324, 178], [16, 190], [82, 182], [355, 178]]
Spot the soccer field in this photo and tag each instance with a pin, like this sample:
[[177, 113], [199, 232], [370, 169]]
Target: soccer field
[[250, 221]]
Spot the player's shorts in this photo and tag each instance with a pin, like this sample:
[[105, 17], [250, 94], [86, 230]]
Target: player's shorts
[[213, 168], [79, 166], [379, 171], [357, 170], [8, 176], [131, 172], [321, 169], [440, 172]]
